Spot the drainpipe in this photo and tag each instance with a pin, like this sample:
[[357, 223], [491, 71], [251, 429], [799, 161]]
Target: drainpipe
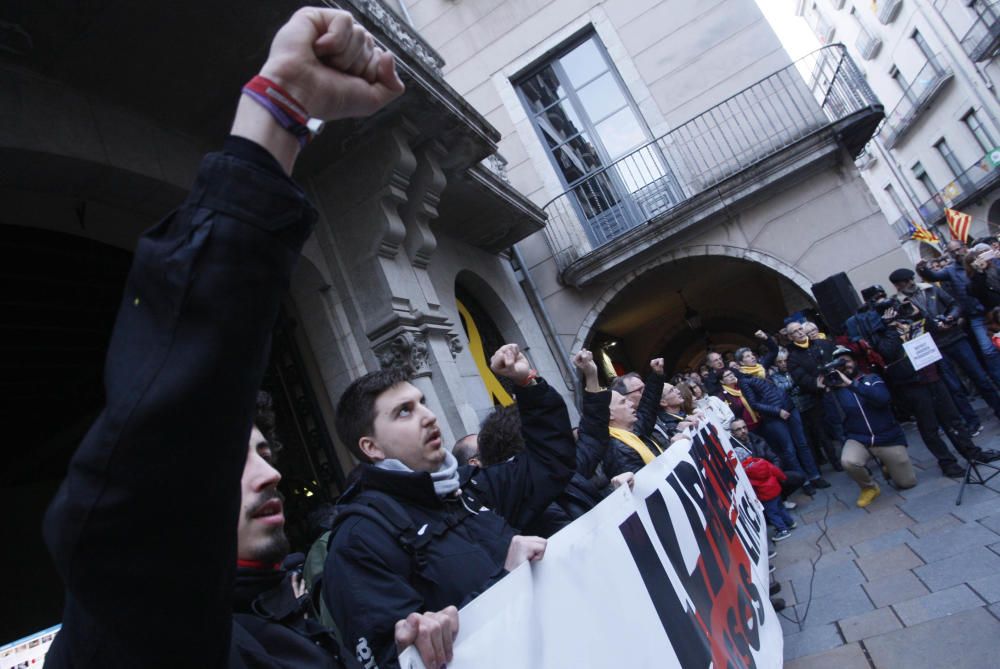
[[548, 329], [406, 12]]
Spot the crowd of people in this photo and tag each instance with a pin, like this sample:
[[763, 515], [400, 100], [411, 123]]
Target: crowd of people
[[165, 564]]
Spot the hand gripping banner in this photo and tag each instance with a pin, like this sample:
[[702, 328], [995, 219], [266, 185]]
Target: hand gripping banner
[[671, 574]]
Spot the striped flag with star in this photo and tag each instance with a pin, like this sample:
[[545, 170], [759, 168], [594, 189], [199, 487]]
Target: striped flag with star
[[958, 224], [922, 234]]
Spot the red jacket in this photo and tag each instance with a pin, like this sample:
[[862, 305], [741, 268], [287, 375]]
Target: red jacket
[[765, 478]]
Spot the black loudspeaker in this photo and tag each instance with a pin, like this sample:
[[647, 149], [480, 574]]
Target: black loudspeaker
[[837, 300]]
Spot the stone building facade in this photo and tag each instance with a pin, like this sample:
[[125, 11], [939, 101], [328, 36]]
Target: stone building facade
[[933, 64]]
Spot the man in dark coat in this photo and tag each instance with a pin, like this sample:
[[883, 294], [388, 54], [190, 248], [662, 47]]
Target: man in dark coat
[[806, 358], [942, 315], [632, 443], [463, 519], [144, 530]]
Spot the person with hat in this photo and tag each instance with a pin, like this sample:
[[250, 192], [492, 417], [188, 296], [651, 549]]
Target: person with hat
[[862, 406], [941, 316], [924, 392]]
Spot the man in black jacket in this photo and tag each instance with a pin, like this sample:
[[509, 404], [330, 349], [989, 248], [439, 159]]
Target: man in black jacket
[[927, 396], [144, 529], [806, 358], [942, 315], [463, 521]]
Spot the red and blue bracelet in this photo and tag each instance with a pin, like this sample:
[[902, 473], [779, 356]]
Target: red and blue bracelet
[[286, 110]]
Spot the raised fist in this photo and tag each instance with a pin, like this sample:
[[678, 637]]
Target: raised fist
[[760, 334], [656, 364], [509, 362]]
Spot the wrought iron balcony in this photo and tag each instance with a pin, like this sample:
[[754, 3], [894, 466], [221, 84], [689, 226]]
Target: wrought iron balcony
[[917, 97], [867, 45], [888, 10], [970, 185], [982, 42], [824, 90]]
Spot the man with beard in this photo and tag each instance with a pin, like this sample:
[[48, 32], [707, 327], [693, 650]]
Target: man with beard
[[416, 532], [863, 407], [144, 530], [942, 316]]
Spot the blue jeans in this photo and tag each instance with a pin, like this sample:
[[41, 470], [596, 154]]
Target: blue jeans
[[788, 439], [977, 326], [960, 353], [776, 513]]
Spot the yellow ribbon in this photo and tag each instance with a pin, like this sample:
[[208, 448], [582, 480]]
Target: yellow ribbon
[[736, 393], [634, 442]]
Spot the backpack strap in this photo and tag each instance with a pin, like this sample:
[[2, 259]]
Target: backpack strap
[[388, 514]]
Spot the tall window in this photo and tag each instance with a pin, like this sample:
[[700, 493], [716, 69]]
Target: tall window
[[925, 180], [901, 81], [949, 157], [586, 120], [894, 197], [975, 126], [922, 44]]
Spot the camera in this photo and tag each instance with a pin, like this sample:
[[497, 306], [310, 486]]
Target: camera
[[831, 371], [946, 321], [906, 312]]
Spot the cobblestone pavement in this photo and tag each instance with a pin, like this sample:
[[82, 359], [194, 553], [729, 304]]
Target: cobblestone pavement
[[911, 581]]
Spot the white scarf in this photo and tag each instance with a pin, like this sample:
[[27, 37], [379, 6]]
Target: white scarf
[[445, 478]]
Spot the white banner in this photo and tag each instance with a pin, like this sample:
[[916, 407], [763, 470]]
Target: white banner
[[672, 574]]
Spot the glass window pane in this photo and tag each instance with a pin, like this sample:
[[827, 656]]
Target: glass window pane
[[577, 158], [583, 63], [601, 97], [621, 133], [542, 89], [558, 123]]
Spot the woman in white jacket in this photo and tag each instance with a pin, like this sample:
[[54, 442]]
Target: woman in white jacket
[[710, 406]]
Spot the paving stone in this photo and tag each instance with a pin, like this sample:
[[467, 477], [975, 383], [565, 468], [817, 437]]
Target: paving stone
[[833, 558], [966, 640], [927, 507], [937, 605], [930, 482], [880, 543], [850, 656], [987, 587], [969, 512], [869, 624], [869, 526], [995, 548], [812, 641], [895, 588], [844, 602], [995, 610], [788, 627], [972, 564], [843, 517], [992, 522], [952, 541], [829, 580], [816, 512], [791, 553], [935, 525], [889, 561]]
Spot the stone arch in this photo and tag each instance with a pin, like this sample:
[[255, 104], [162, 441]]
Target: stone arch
[[768, 261], [993, 217], [483, 292]]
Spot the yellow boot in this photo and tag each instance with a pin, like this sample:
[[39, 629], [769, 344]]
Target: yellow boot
[[868, 495]]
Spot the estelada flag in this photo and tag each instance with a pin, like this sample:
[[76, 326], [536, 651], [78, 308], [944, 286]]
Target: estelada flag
[[920, 233], [958, 224]]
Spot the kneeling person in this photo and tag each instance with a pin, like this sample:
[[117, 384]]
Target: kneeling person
[[864, 407], [419, 533]]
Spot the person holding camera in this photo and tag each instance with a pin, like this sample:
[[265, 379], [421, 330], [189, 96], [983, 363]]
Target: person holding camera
[[942, 316], [922, 389], [862, 406]]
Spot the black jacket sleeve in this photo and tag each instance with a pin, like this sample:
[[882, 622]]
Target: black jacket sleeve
[[594, 436], [772, 353], [521, 488], [143, 529], [649, 405]]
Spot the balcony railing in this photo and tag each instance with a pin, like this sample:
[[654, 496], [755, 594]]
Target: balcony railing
[[982, 42], [970, 185], [867, 45], [888, 10], [815, 92], [916, 98]]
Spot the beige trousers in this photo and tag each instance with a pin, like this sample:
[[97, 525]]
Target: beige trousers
[[895, 458]]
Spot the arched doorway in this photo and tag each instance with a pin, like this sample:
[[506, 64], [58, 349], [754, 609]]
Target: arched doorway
[[682, 309]]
